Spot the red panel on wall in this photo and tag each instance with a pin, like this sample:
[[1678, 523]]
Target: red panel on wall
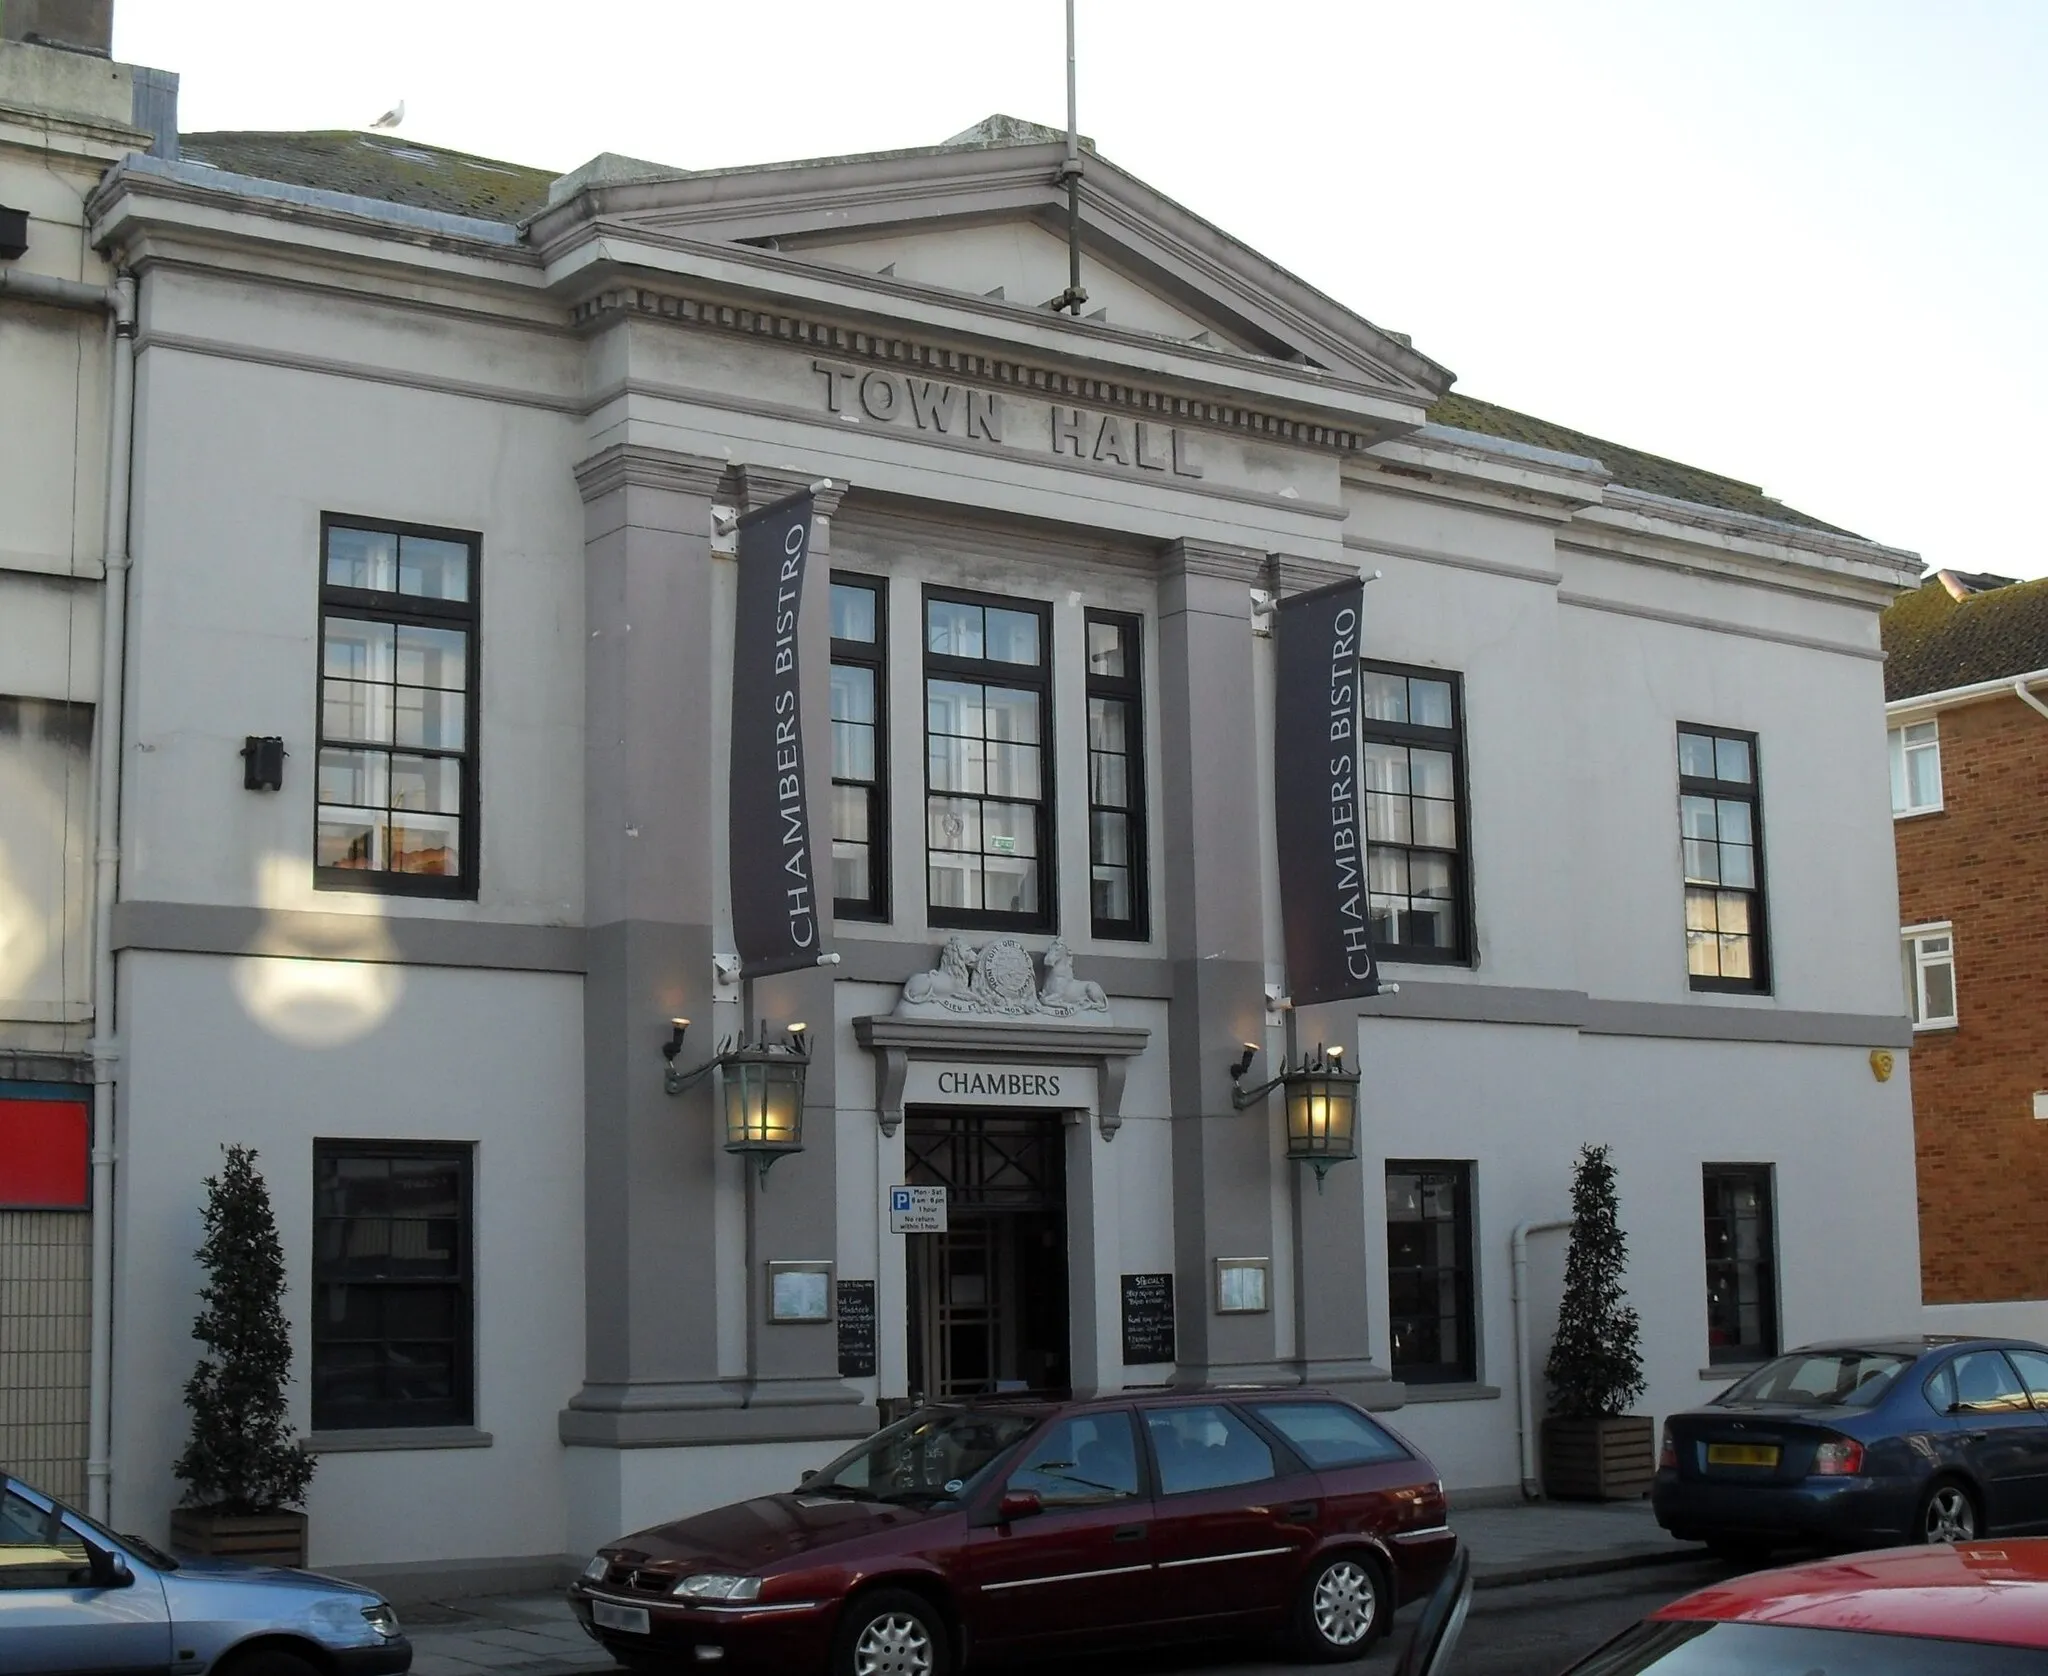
[[43, 1154]]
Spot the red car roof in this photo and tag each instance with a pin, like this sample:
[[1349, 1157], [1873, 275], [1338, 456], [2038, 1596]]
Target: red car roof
[[1982, 1591]]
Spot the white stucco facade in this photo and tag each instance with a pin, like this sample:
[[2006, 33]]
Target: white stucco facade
[[580, 395]]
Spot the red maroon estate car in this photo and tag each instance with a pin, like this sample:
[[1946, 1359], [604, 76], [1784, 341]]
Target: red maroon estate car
[[1976, 1609], [1017, 1526]]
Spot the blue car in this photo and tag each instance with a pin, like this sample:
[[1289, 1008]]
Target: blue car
[[1861, 1444], [77, 1599]]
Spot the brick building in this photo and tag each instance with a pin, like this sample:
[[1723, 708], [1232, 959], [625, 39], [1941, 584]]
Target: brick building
[[1966, 671]]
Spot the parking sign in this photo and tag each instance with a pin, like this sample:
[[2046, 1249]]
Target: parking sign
[[917, 1210]]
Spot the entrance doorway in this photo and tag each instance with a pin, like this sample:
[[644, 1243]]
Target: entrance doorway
[[988, 1298]]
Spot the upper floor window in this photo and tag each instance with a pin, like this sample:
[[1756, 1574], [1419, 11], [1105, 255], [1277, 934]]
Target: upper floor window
[[1411, 767], [1116, 778], [1916, 768], [860, 748], [1930, 956], [1720, 821], [988, 774], [397, 781]]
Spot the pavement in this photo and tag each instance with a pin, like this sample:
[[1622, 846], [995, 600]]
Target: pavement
[[534, 1634]]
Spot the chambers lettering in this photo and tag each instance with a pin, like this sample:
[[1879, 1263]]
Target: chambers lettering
[[998, 1085]]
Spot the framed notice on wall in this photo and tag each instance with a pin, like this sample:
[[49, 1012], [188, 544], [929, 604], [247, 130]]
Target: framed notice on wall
[[799, 1291], [1148, 1318]]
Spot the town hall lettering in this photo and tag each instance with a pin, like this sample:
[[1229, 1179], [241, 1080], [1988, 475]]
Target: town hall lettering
[[928, 404], [1015, 1085]]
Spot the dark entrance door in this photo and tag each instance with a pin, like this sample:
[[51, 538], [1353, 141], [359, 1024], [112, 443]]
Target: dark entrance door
[[988, 1298]]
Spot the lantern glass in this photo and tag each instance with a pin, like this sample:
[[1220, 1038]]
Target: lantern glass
[[764, 1097], [1322, 1116]]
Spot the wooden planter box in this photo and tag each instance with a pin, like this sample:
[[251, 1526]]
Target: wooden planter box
[[1599, 1460], [259, 1538]]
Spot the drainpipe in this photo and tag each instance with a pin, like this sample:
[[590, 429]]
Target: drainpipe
[[106, 744], [57, 293], [1525, 1451], [2020, 691]]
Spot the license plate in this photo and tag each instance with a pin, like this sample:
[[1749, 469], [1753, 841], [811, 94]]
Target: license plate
[[608, 1616], [1742, 1454]]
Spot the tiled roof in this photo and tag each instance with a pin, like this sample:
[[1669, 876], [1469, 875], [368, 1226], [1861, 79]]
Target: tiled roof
[[1631, 467], [428, 177], [379, 166], [1934, 641]]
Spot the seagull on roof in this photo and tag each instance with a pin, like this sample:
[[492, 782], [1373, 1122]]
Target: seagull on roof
[[391, 118]]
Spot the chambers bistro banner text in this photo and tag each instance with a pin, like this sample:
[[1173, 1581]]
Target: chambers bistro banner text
[[1320, 813], [775, 914]]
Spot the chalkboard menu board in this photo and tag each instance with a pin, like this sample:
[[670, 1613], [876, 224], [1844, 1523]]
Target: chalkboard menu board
[[1148, 1318], [856, 1329]]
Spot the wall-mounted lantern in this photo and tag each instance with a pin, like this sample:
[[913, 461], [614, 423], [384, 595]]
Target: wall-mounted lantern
[[1321, 1102], [763, 1087]]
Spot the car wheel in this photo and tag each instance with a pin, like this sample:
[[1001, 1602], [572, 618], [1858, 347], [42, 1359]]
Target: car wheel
[[1948, 1513], [268, 1661], [1345, 1604], [891, 1632]]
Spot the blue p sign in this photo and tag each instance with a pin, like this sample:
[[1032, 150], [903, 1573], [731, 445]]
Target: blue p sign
[[899, 1198]]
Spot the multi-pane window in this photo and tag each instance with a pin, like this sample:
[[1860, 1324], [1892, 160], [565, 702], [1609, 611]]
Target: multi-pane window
[[860, 777], [1742, 1280], [1721, 832], [988, 772], [1411, 769], [1930, 957], [1429, 1271], [1916, 768], [392, 1231], [1116, 778], [398, 683]]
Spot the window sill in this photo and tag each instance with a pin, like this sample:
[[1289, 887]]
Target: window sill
[[1934, 1026], [1916, 814], [1733, 1370], [1462, 1392], [378, 1438]]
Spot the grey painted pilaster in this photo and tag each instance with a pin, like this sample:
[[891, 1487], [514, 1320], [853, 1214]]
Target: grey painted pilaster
[[1222, 1168], [793, 1213], [649, 1158]]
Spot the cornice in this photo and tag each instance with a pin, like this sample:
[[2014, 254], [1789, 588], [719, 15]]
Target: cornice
[[1663, 509], [1295, 573], [758, 486], [633, 465], [999, 372], [1192, 556]]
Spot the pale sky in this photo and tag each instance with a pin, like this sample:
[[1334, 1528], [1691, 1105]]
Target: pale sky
[[1800, 242]]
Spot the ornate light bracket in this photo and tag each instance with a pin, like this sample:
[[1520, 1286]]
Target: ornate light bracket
[[1105, 1048]]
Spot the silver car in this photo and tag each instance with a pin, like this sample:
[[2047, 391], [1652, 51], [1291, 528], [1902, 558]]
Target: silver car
[[77, 1599]]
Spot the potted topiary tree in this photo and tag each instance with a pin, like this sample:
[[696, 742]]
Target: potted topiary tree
[[1592, 1450], [245, 1473]]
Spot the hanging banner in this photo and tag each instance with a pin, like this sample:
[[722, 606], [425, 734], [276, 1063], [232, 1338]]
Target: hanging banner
[[775, 912], [1319, 804]]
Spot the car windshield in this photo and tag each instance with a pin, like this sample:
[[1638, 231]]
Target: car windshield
[[148, 1552], [1821, 1379], [935, 1455], [1694, 1649]]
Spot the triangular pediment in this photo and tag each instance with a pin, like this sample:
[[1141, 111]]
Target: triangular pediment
[[984, 216]]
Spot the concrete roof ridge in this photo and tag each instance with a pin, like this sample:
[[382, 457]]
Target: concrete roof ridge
[[1001, 130]]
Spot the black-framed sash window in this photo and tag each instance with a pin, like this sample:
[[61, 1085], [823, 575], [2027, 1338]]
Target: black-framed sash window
[[1742, 1274], [1721, 835], [1411, 762], [988, 761], [396, 787], [1117, 893], [860, 747], [1429, 1272], [393, 1335]]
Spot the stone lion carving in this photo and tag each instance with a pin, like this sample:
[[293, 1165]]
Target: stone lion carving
[[951, 982], [1000, 980], [1065, 993]]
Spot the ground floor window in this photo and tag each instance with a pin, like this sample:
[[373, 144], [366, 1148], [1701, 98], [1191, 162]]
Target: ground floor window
[[392, 1334], [1429, 1272], [1742, 1280]]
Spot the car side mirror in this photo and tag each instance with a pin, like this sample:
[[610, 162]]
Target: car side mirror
[[1018, 1504], [1443, 1617], [808, 1474], [108, 1569]]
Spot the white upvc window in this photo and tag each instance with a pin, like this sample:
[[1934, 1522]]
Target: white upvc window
[[1916, 769], [1930, 960]]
